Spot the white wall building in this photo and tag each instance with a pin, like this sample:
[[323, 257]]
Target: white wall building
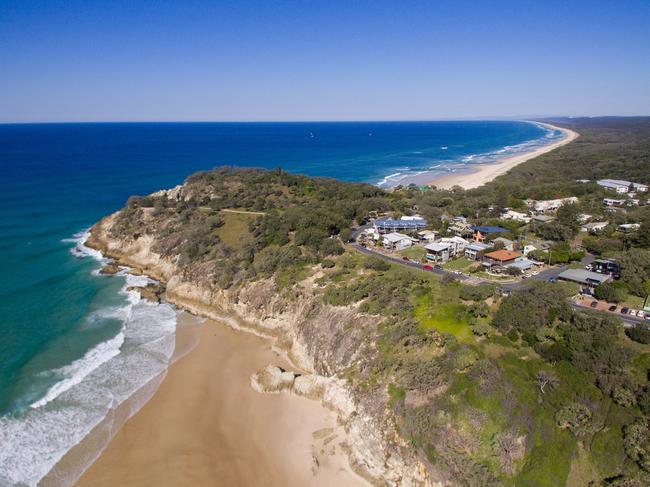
[[551, 205], [621, 186], [397, 241]]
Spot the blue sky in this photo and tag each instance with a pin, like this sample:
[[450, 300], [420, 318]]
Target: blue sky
[[352, 60]]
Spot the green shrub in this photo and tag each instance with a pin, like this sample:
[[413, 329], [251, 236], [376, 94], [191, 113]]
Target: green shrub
[[376, 264], [639, 334]]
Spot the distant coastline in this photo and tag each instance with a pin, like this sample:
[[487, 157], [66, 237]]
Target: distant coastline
[[484, 173]]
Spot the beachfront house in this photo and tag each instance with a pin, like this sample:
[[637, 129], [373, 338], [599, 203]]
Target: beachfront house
[[396, 241], [594, 227], [404, 224], [474, 250], [588, 280], [621, 186]]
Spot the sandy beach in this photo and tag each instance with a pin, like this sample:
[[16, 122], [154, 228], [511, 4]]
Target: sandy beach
[[481, 174], [206, 426]]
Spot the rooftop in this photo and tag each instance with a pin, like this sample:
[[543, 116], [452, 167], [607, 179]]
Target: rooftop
[[396, 237], [406, 224], [583, 276], [488, 229], [503, 255], [437, 247]]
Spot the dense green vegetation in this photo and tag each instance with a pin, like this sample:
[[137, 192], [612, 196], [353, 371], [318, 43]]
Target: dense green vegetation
[[489, 389]]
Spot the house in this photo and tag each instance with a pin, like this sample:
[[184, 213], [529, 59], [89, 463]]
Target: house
[[594, 227], [388, 225], [473, 250], [522, 263], [584, 218], [614, 185], [502, 257], [445, 249], [515, 216], [550, 205], [458, 244], [428, 235], [613, 202], [621, 186], [606, 266], [629, 227], [488, 229], [541, 219], [528, 249], [438, 252], [397, 241], [503, 243], [588, 280], [460, 229], [412, 218]]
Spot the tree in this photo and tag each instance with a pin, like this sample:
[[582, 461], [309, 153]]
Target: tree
[[612, 292], [575, 417], [567, 215], [546, 380]]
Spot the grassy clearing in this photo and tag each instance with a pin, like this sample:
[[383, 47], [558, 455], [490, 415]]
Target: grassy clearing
[[413, 253], [461, 264], [444, 315], [235, 228]]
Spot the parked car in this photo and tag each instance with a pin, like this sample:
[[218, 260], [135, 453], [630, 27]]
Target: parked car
[[594, 304], [613, 307], [641, 314], [632, 312], [552, 279], [624, 310], [405, 258], [427, 267]]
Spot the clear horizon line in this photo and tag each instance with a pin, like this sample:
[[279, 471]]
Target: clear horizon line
[[450, 119]]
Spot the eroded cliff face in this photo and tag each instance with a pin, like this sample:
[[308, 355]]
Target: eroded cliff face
[[322, 341]]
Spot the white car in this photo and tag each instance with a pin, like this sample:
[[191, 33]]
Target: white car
[[632, 312]]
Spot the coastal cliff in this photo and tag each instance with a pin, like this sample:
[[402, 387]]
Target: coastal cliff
[[317, 338], [436, 382]]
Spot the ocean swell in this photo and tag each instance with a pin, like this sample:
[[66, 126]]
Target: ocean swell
[[94, 394]]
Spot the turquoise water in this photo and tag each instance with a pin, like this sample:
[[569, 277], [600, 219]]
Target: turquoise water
[[69, 334]]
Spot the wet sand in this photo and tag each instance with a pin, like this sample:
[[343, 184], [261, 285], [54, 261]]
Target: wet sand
[[481, 174], [206, 426]]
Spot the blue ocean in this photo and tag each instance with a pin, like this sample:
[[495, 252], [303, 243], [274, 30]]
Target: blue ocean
[[74, 345]]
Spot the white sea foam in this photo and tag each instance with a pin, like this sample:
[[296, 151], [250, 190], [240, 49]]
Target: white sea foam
[[80, 249], [92, 391], [80, 368]]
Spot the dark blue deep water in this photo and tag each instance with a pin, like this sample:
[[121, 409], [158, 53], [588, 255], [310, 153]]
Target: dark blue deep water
[[62, 327]]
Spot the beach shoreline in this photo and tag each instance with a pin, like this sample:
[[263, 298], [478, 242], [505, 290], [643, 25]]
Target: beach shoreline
[[480, 174], [205, 425]]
